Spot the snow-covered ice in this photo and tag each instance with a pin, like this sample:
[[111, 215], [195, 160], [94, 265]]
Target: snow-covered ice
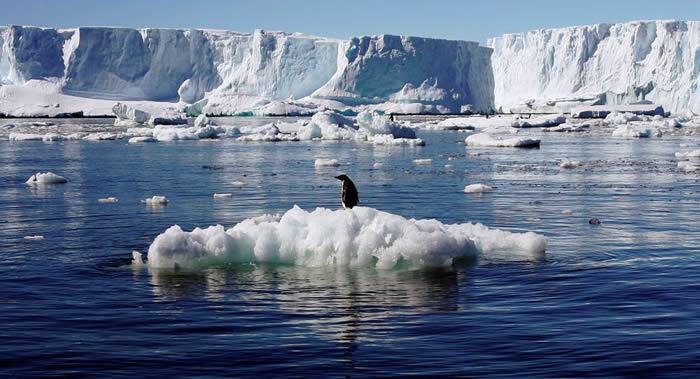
[[477, 188], [486, 140], [156, 200], [635, 131], [545, 121], [323, 162], [358, 237], [46, 178]]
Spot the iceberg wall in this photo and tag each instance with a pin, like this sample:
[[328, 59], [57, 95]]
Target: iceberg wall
[[552, 69], [228, 71]]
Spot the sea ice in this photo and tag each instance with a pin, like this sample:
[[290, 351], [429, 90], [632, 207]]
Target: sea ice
[[321, 162], [142, 139], [425, 161], [156, 200], [486, 140], [129, 116], [110, 199], [569, 164], [34, 238], [477, 188], [357, 237], [222, 195], [46, 178], [539, 122], [635, 131]]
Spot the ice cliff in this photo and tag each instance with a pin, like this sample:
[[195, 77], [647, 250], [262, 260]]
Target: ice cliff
[[554, 69], [224, 72]]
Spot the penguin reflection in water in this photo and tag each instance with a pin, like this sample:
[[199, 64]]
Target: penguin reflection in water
[[348, 196]]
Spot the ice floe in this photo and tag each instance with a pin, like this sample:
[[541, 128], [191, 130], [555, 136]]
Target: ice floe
[[486, 140], [477, 188], [46, 178], [156, 200], [323, 162], [358, 237], [110, 199]]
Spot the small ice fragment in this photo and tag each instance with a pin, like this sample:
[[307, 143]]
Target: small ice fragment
[[569, 164], [156, 200], [425, 161], [326, 162], [110, 199], [222, 195], [46, 178], [449, 167], [567, 212], [378, 165], [34, 238], [137, 258], [142, 139], [477, 188], [237, 184]]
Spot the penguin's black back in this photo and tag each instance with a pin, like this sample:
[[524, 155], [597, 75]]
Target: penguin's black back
[[349, 197]]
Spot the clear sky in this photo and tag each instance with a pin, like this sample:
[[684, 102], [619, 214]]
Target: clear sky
[[453, 19]]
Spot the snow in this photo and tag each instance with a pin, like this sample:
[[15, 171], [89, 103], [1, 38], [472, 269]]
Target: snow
[[602, 64], [477, 188], [358, 237], [486, 140], [156, 200], [322, 162], [46, 178]]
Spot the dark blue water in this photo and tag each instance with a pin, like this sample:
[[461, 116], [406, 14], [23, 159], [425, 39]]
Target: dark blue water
[[618, 299]]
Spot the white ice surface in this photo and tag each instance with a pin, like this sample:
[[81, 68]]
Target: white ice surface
[[46, 178], [486, 140], [477, 188], [358, 237]]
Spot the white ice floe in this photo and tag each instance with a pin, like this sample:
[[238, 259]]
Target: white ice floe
[[373, 124], [237, 184], [34, 238], [388, 139], [137, 259], [322, 162], [689, 161], [156, 200], [378, 165], [50, 137], [568, 128], [635, 131], [545, 121], [567, 212], [449, 167], [357, 237], [424, 161], [129, 116], [486, 140], [46, 178], [567, 164], [142, 139], [477, 188], [101, 136], [222, 195], [110, 199]]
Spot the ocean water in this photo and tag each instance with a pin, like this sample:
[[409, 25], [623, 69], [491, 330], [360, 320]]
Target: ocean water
[[617, 299]]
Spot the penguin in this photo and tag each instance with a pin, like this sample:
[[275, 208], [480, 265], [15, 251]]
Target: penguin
[[348, 197]]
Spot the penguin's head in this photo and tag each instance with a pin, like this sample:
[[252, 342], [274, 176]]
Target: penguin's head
[[342, 177]]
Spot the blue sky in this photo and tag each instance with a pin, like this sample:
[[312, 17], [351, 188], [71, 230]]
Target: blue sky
[[468, 20]]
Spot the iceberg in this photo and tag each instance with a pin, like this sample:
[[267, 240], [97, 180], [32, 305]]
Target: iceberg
[[358, 237], [554, 70], [46, 178], [88, 69]]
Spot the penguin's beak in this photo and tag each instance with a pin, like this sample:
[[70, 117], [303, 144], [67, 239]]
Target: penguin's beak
[[338, 177]]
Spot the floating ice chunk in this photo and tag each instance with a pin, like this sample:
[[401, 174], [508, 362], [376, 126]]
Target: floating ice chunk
[[378, 165], [50, 137], [539, 122], [237, 184], [617, 118], [477, 188], [321, 162], [168, 117], [34, 238], [110, 199], [568, 128], [374, 124], [46, 178], [570, 164], [457, 123], [173, 133], [358, 237], [689, 166], [142, 139], [202, 121], [128, 116], [136, 258], [425, 161], [567, 212], [449, 167], [328, 125], [486, 140], [156, 200], [635, 131], [600, 111], [76, 136], [100, 136], [684, 156], [388, 139], [222, 195]]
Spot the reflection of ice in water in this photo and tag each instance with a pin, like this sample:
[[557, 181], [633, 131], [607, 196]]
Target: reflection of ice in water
[[338, 304]]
